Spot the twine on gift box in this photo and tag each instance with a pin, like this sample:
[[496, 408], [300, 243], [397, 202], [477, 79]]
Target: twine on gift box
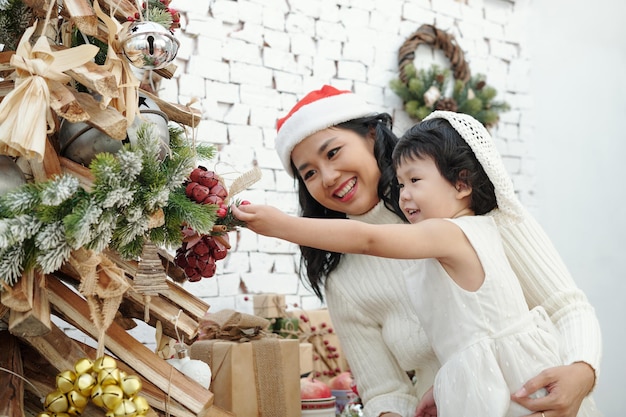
[[271, 302]]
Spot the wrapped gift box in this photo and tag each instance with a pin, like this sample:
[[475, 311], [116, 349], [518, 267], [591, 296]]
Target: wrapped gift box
[[316, 328], [256, 378], [306, 358], [269, 305]]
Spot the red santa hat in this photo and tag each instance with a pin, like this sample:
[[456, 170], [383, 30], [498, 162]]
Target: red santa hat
[[317, 111]]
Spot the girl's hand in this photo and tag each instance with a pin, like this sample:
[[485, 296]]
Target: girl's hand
[[426, 406], [567, 387]]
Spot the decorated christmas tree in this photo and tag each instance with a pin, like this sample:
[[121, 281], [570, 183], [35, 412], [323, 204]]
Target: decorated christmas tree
[[104, 210]]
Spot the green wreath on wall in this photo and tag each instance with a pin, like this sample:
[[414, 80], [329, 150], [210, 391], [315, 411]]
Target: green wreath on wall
[[423, 90]]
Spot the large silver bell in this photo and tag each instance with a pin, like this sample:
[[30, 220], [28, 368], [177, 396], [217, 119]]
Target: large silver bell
[[149, 45], [11, 176], [81, 142]]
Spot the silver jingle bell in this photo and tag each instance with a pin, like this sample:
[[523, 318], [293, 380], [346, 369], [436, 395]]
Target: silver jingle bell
[[11, 176], [81, 142], [149, 112], [149, 45]]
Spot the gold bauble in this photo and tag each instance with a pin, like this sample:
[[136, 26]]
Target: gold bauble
[[46, 414], [142, 405], [61, 415], [131, 385], [96, 395], [109, 376], [65, 381], [76, 399], [56, 402], [126, 408], [83, 365], [104, 362], [84, 384], [72, 411], [112, 396]]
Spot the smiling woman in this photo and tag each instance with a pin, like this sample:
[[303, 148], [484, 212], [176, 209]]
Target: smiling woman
[[340, 152]]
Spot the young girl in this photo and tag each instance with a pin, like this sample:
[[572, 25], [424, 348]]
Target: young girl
[[468, 299]]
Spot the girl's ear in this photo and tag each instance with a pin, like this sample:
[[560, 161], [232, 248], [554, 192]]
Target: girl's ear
[[463, 188]]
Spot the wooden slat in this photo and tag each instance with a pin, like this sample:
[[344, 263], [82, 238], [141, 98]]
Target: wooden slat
[[36, 321], [188, 116], [49, 167], [83, 15], [12, 386], [108, 120], [145, 362], [96, 78]]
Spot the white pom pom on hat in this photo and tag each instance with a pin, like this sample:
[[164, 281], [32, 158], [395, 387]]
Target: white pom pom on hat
[[318, 110]]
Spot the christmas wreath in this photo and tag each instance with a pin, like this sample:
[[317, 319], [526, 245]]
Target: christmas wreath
[[426, 90]]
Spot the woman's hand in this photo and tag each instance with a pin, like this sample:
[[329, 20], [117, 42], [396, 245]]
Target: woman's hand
[[426, 406], [567, 387], [261, 219]]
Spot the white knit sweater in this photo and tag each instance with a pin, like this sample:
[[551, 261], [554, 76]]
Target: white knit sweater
[[381, 336]]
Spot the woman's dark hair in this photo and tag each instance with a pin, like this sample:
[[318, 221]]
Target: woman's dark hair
[[455, 160], [316, 263]]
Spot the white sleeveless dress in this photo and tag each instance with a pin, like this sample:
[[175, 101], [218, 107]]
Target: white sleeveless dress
[[488, 342]]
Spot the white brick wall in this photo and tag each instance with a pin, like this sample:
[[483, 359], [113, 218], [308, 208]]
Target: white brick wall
[[253, 59]]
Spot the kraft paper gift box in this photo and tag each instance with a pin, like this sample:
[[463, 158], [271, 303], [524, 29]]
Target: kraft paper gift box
[[306, 358], [317, 329], [256, 378], [269, 305]]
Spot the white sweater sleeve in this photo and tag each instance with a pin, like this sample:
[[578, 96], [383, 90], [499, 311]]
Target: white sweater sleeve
[[546, 281]]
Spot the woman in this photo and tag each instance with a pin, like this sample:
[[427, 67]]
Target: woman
[[339, 150]]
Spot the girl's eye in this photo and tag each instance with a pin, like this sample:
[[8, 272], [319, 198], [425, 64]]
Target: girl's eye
[[414, 180], [400, 185]]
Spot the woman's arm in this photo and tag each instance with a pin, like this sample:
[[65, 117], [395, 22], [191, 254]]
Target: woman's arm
[[546, 281]]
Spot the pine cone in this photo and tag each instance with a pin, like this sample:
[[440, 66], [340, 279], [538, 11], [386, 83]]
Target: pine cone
[[448, 104]]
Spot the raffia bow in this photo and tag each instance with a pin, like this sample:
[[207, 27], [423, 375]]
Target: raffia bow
[[25, 114], [103, 284], [127, 101]]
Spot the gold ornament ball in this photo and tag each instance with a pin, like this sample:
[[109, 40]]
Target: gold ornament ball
[[83, 365], [61, 415], [46, 414], [109, 376], [96, 395], [142, 405], [84, 384], [126, 408], [131, 385], [65, 381], [77, 400], [56, 402], [104, 362], [112, 396]]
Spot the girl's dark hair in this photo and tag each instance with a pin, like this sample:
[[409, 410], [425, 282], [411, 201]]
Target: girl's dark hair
[[455, 160], [316, 263]]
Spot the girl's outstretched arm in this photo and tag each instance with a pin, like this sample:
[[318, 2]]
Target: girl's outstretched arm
[[433, 238]]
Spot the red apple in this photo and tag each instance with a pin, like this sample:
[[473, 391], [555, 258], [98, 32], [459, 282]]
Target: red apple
[[342, 381], [311, 388]]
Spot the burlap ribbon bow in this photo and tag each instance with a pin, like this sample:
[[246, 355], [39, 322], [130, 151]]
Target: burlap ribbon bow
[[232, 325]]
